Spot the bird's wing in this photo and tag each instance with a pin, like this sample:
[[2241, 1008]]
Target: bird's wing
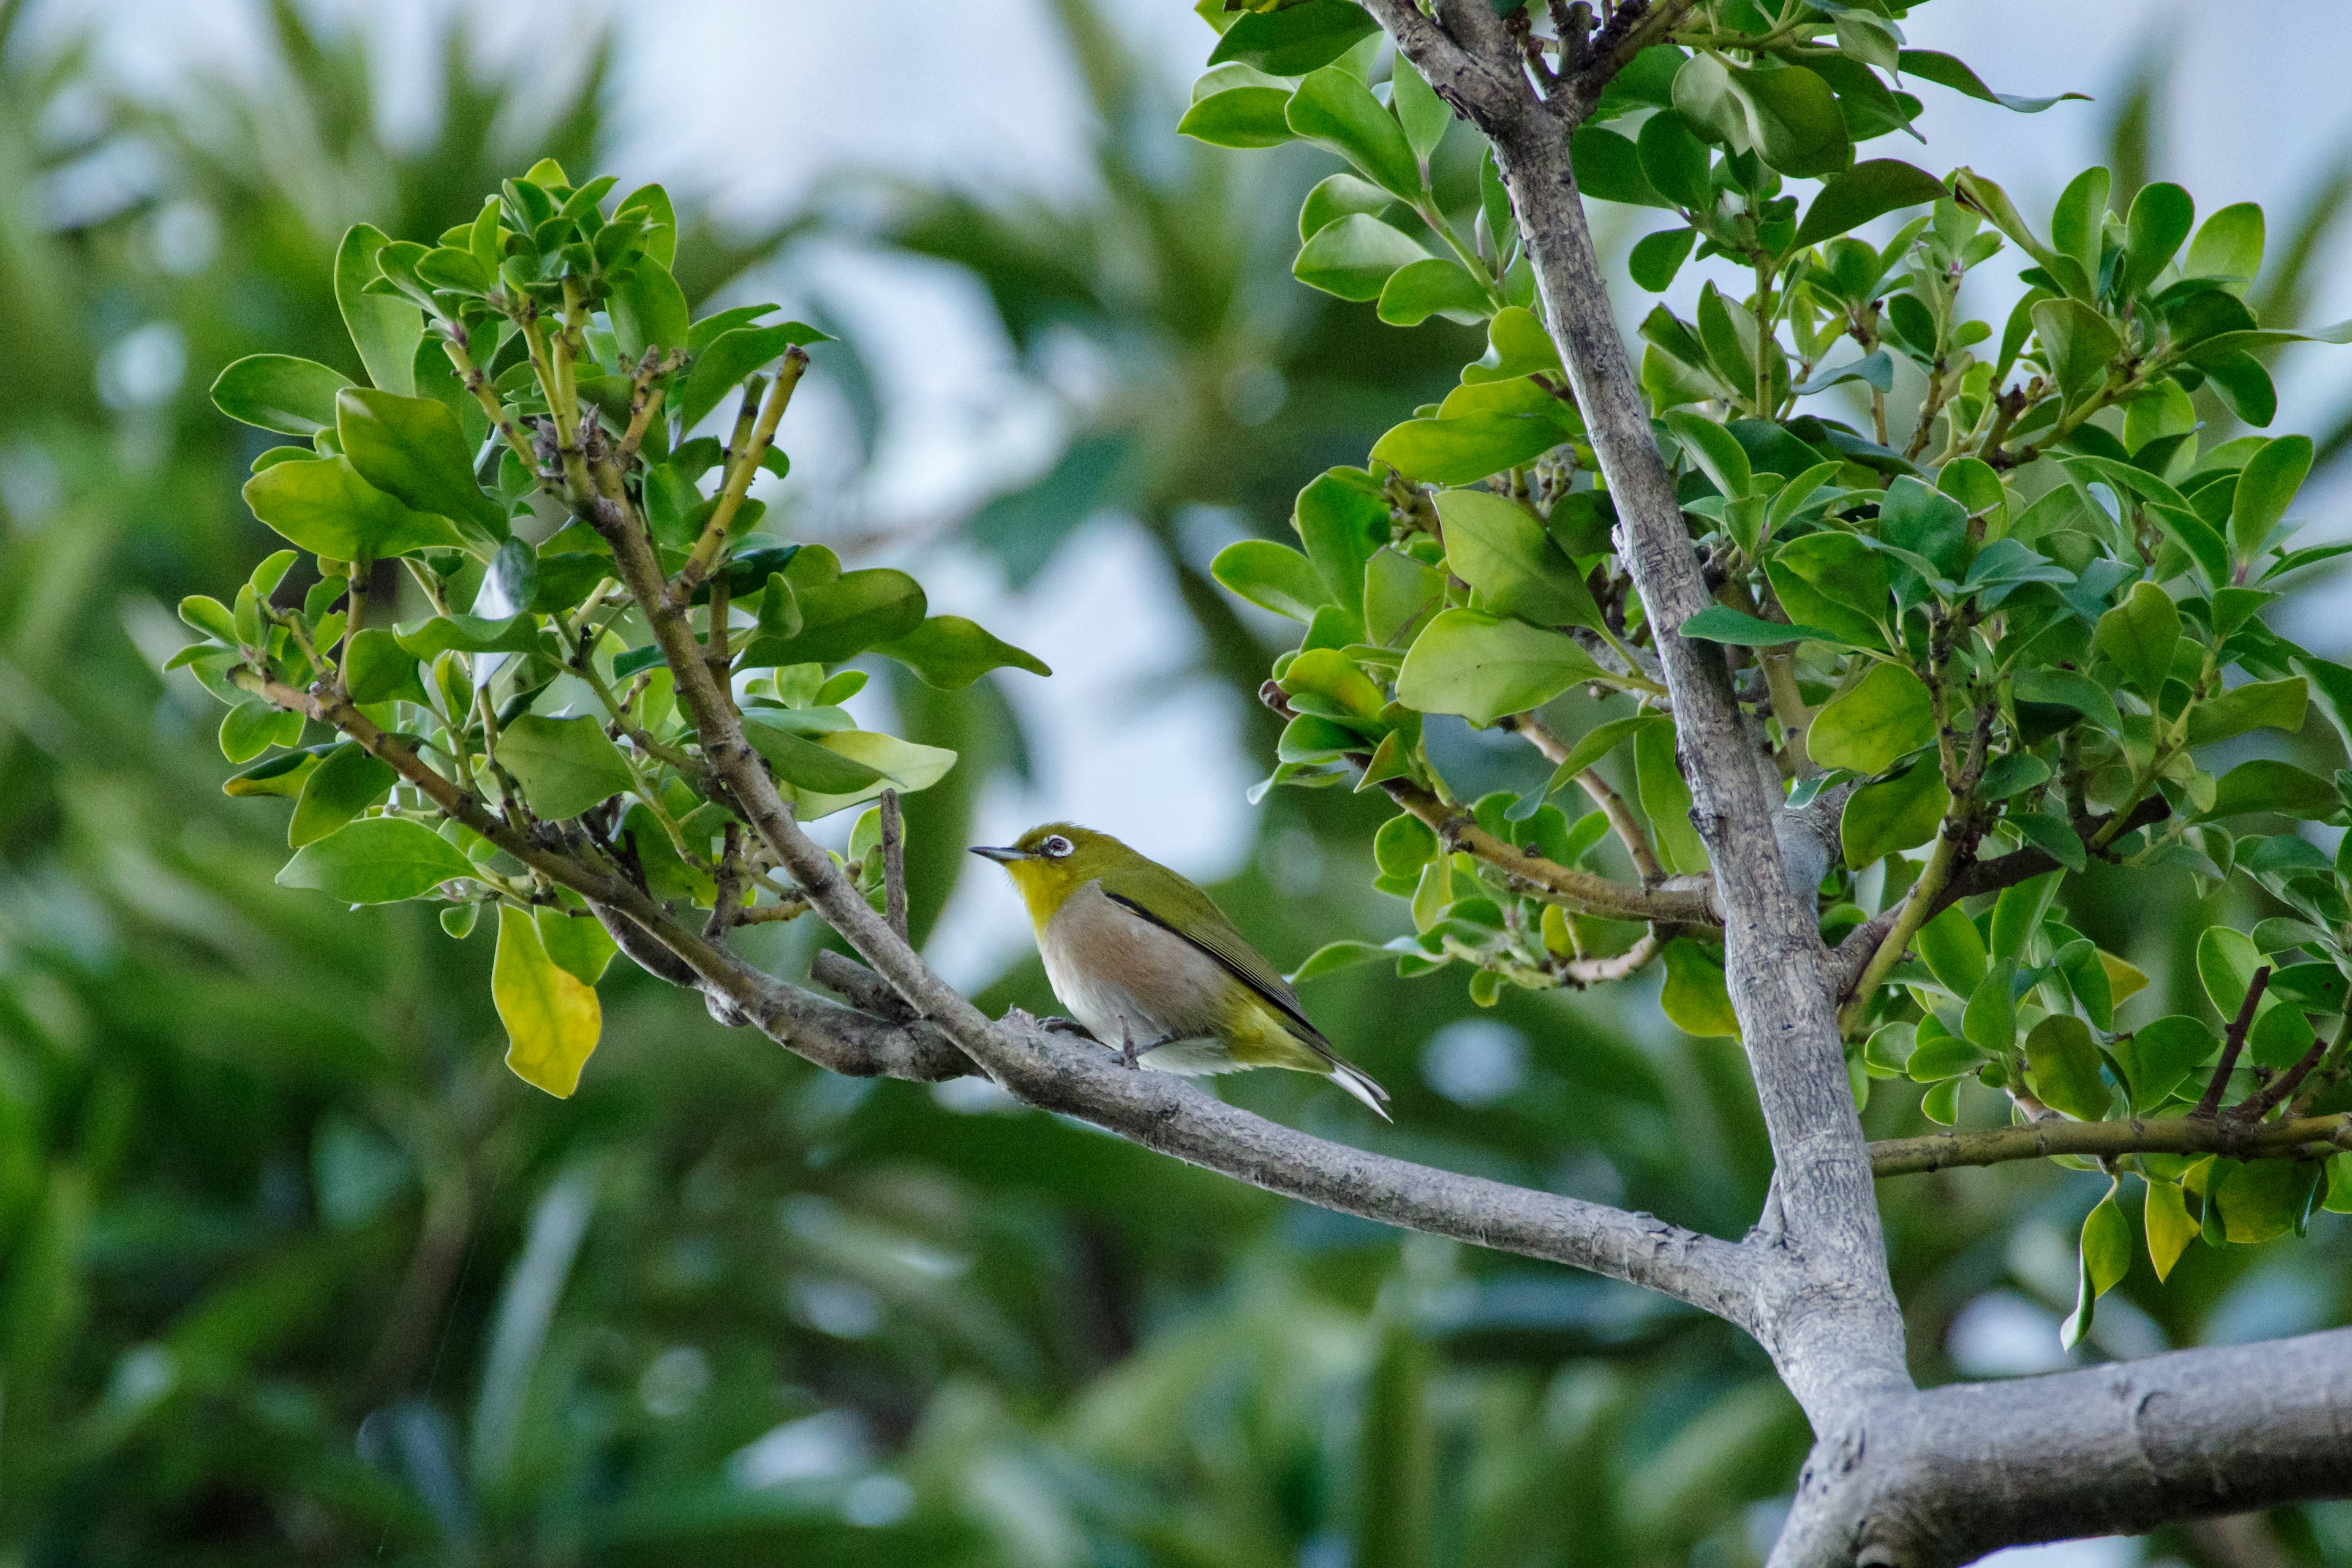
[[1214, 935]]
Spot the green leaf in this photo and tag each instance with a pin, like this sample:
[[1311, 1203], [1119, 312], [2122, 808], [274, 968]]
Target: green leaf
[[284, 776], [2105, 1258], [1713, 448], [2230, 245], [277, 392], [951, 652], [2161, 217], [1866, 191], [1989, 1020], [1328, 676], [2257, 705], [1334, 108], [385, 329], [1273, 577], [346, 781], [1354, 256], [1342, 526], [721, 366], [1423, 114], [438, 635], [2018, 914], [1501, 549], [1930, 65], [2080, 344], [2264, 785], [2244, 387], [552, 1017], [2169, 1228], [566, 766], [376, 860], [2205, 547], [2055, 837], [1954, 951], [2077, 225], [1240, 117], [1466, 449], [805, 763], [2158, 1056], [2267, 488], [376, 668], [1438, 286], [2085, 973], [1787, 116], [1294, 40], [577, 942], [2261, 1201], [1674, 162], [1516, 345], [1886, 716], [1608, 167], [1696, 999], [1339, 197], [2065, 1065], [843, 618], [1484, 667], [2069, 689], [902, 765], [1901, 814], [322, 505], [1590, 748], [1833, 581], [1403, 846], [1655, 258], [2141, 634], [648, 311], [1334, 956], [411, 448], [1665, 799], [1721, 623]]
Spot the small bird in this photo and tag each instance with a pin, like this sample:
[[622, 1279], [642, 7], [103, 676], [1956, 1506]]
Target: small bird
[[1149, 965]]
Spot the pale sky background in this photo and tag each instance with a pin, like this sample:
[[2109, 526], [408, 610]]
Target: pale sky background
[[751, 103]]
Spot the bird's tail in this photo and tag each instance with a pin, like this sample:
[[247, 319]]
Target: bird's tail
[[1359, 1083]]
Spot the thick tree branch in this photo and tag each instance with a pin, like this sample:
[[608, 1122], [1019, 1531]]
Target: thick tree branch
[[1934, 1480], [1841, 1343]]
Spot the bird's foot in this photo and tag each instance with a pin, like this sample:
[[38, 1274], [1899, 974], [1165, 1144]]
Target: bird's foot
[[1054, 1024], [1128, 1054]]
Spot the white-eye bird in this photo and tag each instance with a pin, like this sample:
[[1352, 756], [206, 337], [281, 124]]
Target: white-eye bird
[[1151, 966]]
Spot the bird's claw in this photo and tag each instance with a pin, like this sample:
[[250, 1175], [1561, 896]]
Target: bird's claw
[[1128, 1053], [1054, 1024]]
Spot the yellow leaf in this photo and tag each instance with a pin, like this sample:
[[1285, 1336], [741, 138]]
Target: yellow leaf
[[553, 1018], [2169, 1228], [2123, 980], [1696, 1000]]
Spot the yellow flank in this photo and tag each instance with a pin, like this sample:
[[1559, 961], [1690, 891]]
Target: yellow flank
[[1259, 1036]]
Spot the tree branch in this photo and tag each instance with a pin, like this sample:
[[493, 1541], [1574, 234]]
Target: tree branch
[[2105, 1139], [1842, 1341], [1935, 1480]]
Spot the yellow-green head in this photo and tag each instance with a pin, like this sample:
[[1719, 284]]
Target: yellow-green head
[[1048, 864]]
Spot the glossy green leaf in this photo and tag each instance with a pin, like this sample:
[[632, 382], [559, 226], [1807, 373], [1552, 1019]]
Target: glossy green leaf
[[2169, 1228], [376, 668], [1438, 286], [376, 860], [1655, 258], [1294, 40], [324, 506], [1721, 623], [2267, 488], [284, 776], [566, 766], [2106, 1250], [1273, 577], [2161, 217], [1903, 813], [1339, 197], [1696, 999], [1944, 71], [411, 448], [803, 763], [1714, 449], [1423, 114], [951, 652], [1989, 1020], [1342, 525], [904, 765], [2080, 344], [1239, 117], [347, 781], [844, 617], [2257, 705], [2230, 245], [648, 310], [1665, 799], [2069, 689], [438, 635], [1399, 593], [386, 329], [1501, 549], [1954, 951], [2264, 785], [2066, 1066], [1334, 108], [577, 942], [1464, 449], [2141, 634], [721, 366], [279, 392], [2158, 1056], [552, 1017], [1674, 162], [2262, 1200], [1354, 256], [1484, 667], [1866, 191], [1608, 167], [1887, 715]]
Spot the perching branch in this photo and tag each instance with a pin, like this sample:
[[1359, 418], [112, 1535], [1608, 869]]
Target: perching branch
[[2107, 1139]]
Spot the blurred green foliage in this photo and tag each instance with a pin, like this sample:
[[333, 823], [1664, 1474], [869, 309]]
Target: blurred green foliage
[[292, 1269]]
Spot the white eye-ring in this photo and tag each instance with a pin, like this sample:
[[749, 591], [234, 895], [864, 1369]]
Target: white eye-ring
[[1055, 847]]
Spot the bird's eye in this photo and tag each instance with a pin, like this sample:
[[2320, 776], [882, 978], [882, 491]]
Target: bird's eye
[[1057, 847]]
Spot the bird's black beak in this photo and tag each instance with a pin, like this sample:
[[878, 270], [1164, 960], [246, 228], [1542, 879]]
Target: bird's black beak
[[1002, 855]]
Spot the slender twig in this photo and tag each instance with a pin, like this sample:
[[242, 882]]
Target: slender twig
[[2258, 1105], [894, 864], [743, 461], [2108, 1140], [1612, 804], [2232, 1044]]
